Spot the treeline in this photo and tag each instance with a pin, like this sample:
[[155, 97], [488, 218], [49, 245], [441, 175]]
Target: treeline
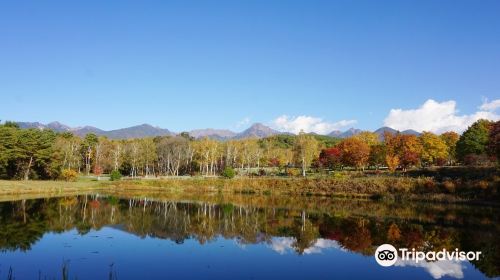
[[44, 154], [479, 145]]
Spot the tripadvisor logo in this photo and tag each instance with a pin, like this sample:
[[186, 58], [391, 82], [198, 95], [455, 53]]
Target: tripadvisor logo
[[387, 255]]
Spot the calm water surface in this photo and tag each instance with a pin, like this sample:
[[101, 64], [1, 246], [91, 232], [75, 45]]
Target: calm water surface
[[101, 236]]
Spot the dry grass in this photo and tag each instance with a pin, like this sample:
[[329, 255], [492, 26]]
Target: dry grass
[[13, 188], [377, 187], [266, 185]]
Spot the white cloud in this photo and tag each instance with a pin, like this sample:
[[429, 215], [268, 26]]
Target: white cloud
[[439, 117], [308, 124], [490, 106], [438, 269]]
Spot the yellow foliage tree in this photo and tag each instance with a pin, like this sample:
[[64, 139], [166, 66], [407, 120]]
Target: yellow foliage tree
[[392, 162], [433, 148]]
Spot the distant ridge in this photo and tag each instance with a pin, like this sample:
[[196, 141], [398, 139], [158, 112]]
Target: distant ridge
[[346, 134], [381, 131], [350, 132], [257, 130], [86, 130], [218, 134], [138, 131]]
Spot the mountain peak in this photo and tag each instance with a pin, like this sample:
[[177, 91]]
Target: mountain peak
[[381, 131], [257, 130], [346, 134], [219, 134], [57, 126], [259, 126]]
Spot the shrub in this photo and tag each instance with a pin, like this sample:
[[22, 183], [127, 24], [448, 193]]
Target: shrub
[[449, 186], [293, 172], [477, 160], [482, 184], [429, 184], [228, 173], [426, 185], [115, 175], [338, 175], [69, 175]]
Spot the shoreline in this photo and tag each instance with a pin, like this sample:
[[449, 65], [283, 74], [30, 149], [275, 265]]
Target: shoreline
[[377, 188]]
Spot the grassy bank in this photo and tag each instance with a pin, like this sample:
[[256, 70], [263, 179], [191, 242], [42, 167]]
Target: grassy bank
[[11, 189], [374, 187], [385, 187]]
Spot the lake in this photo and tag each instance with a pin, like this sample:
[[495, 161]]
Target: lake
[[150, 236]]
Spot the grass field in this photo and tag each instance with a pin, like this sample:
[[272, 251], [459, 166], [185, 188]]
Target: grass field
[[374, 187], [12, 188]]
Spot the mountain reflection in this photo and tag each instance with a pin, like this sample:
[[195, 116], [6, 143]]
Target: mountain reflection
[[318, 224]]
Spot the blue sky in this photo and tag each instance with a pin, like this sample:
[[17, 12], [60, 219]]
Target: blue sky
[[195, 64]]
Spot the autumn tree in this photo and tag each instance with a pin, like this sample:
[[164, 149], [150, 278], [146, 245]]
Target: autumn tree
[[354, 152], [102, 156], [207, 152], [116, 151], [392, 162], [66, 149], [131, 158], [377, 156], [406, 148], [174, 153], [232, 152], [368, 137], [450, 138], [330, 158], [433, 148], [277, 150], [250, 153], [148, 155], [305, 151]]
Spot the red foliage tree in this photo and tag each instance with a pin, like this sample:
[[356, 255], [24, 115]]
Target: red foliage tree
[[97, 170], [330, 158], [274, 162]]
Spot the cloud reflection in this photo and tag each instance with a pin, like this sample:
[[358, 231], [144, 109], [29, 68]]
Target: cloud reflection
[[283, 245], [438, 269]]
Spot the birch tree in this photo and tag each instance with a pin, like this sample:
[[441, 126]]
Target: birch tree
[[305, 150]]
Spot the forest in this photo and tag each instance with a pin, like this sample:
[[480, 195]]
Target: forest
[[43, 154]]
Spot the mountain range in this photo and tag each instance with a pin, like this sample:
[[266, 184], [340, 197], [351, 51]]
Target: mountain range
[[257, 130], [348, 133], [381, 131], [138, 131]]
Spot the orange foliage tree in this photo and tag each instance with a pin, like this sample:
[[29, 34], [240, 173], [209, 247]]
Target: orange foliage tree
[[406, 147], [354, 152]]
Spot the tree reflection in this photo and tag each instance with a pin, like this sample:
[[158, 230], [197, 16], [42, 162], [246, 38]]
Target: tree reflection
[[357, 227]]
